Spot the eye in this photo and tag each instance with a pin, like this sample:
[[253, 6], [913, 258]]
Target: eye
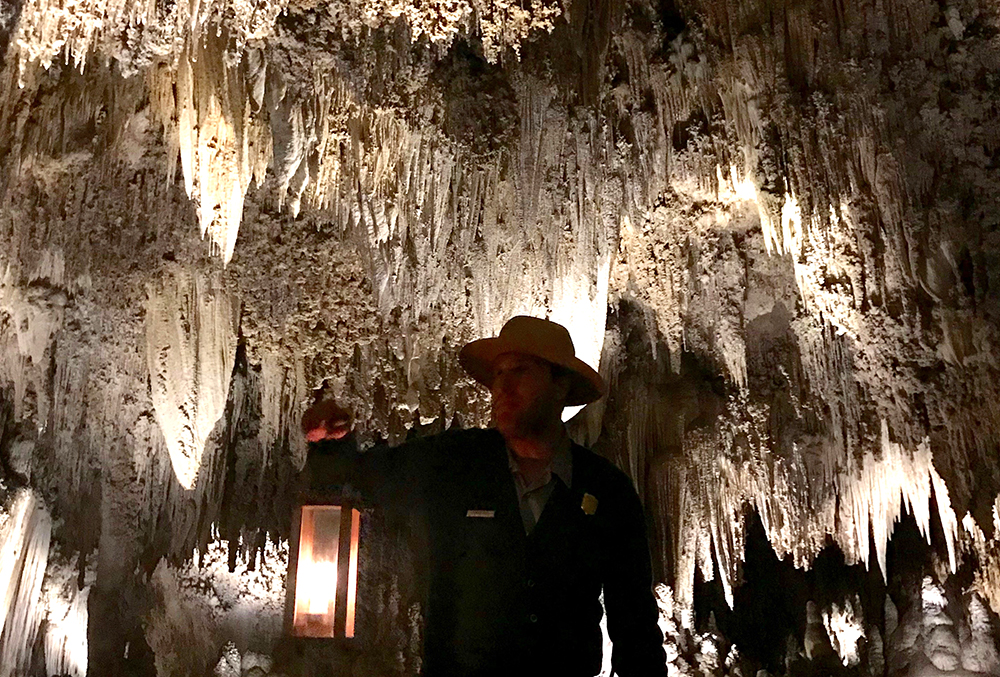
[[511, 370]]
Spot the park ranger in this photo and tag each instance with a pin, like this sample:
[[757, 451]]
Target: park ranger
[[524, 528]]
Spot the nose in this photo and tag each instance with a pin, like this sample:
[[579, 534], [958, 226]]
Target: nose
[[502, 384], [498, 387]]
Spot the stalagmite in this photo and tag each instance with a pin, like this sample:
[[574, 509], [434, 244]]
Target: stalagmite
[[846, 630], [205, 604]]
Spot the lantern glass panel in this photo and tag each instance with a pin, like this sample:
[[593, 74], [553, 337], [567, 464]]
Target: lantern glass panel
[[316, 575], [326, 571]]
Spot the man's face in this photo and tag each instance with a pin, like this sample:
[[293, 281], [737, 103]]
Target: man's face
[[526, 397]]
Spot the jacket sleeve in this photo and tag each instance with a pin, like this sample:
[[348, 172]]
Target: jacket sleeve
[[382, 475], [628, 595]]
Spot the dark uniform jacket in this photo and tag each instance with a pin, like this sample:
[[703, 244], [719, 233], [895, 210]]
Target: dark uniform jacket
[[499, 601]]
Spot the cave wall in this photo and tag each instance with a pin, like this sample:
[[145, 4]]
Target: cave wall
[[770, 224]]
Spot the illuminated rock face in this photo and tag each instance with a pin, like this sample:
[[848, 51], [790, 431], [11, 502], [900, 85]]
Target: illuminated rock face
[[24, 551], [771, 226], [190, 349]]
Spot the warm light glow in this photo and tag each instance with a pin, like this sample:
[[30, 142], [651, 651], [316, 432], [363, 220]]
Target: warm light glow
[[319, 585], [327, 555], [316, 574]]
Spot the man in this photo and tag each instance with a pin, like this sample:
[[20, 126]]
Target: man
[[524, 528]]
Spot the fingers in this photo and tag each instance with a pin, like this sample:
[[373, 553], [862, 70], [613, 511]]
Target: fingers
[[316, 434], [326, 420], [322, 432]]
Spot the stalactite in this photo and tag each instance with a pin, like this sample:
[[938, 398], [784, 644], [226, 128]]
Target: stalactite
[[190, 348], [65, 627], [36, 310], [205, 107], [24, 552]]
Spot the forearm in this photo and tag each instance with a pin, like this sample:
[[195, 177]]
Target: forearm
[[378, 476]]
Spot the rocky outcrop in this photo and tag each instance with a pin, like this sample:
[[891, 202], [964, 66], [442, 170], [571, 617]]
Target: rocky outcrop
[[771, 226]]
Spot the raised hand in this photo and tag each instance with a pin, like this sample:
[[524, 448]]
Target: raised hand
[[326, 420]]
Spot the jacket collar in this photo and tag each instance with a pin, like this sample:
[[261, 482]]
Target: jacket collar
[[561, 466]]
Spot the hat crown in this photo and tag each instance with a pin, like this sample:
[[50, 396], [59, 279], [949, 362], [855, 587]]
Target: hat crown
[[538, 333], [543, 339]]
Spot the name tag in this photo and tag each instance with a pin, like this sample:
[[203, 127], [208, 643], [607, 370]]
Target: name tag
[[480, 513]]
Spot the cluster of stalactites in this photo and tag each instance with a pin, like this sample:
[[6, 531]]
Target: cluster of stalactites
[[134, 32], [862, 504], [207, 84], [228, 116]]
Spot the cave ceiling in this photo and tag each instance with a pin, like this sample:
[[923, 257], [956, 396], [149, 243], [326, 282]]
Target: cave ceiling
[[772, 224]]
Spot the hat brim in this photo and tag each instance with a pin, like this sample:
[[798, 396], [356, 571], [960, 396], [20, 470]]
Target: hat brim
[[478, 358]]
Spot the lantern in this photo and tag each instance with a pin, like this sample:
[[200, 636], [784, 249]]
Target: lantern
[[323, 570]]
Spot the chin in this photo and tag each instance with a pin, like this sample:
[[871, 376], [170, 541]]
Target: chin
[[504, 427], [507, 427]]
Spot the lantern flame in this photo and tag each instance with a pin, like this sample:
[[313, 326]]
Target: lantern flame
[[319, 585]]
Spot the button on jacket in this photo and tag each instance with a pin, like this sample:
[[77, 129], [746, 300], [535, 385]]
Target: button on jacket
[[501, 601]]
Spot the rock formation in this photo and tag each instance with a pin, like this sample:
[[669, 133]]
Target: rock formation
[[772, 225]]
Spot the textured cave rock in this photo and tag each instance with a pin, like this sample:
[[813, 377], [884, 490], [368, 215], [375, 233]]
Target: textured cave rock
[[772, 225]]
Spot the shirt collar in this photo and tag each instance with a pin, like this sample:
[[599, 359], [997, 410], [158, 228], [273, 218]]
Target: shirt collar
[[561, 466]]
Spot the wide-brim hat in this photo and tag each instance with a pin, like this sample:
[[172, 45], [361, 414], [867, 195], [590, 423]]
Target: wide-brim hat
[[540, 338]]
